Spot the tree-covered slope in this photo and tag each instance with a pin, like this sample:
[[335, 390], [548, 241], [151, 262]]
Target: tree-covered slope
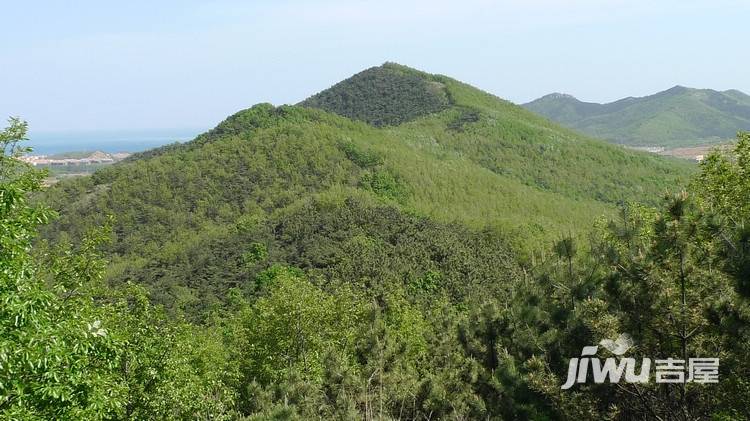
[[387, 95], [347, 304], [195, 219], [676, 117]]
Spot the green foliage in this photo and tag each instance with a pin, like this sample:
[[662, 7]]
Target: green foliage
[[466, 117], [257, 252], [167, 368], [427, 283], [384, 184], [668, 279], [70, 349], [724, 185], [378, 247], [289, 329], [363, 158], [55, 357], [267, 278]]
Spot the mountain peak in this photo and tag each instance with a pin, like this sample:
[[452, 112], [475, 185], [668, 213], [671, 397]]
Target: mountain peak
[[385, 95], [559, 96], [677, 89]]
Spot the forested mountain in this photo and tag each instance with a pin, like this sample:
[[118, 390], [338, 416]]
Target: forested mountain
[[342, 260], [480, 162], [676, 117], [386, 95]]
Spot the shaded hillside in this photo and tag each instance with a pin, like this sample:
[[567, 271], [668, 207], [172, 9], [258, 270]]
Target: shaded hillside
[[194, 219], [676, 117], [386, 95], [511, 142]]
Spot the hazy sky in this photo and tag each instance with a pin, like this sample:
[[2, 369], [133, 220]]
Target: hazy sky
[[176, 64]]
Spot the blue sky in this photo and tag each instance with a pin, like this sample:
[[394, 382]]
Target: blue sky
[[92, 65]]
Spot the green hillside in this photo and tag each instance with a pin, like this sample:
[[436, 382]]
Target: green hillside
[[482, 162], [386, 95], [294, 263], [674, 118]]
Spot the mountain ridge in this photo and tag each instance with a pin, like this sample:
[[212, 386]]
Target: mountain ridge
[[678, 116]]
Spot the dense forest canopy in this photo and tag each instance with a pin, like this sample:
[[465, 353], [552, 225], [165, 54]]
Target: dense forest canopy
[[482, 163], [293, 263], [387, 95]]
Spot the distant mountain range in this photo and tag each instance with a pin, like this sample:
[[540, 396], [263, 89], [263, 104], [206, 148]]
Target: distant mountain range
[[677, 117]]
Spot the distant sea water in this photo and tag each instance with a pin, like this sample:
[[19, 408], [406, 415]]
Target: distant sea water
[[111, 141]]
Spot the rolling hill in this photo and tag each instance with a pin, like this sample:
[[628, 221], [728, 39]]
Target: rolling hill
[[677, 117], [434, 164]]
